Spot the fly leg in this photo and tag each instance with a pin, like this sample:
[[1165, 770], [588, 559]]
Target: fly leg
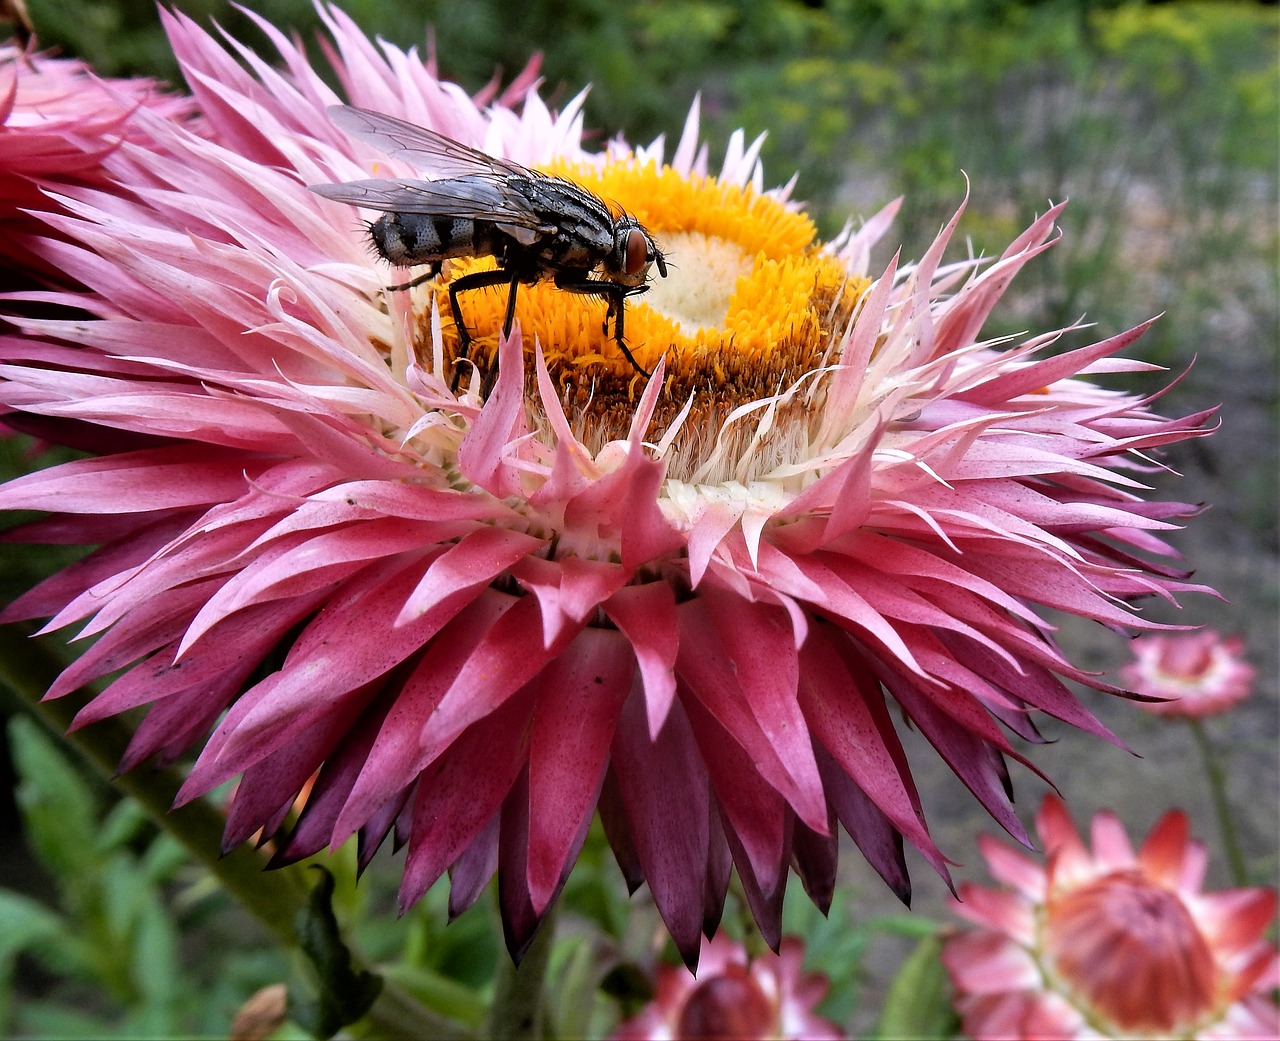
[[478, 280], [616, 295], [417, 280], [617, 308]]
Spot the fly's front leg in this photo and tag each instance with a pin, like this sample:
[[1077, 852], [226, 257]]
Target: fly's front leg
[[616, 295], [617, 308], [478, 280]]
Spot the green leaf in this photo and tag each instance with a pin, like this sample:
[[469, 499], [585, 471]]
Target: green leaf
[[155, 954], [466, 950], [163, 859], [25, 923], [915, 927], [342, 995], [450, 998], [122, 825], [573, 984], [58, 806], [918, 1004], [50, 1019], [121, 894]]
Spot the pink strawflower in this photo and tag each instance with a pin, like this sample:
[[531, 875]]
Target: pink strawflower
[[57, 124], [1203, 673], [482, 613], [735, 998], [1112, 943]]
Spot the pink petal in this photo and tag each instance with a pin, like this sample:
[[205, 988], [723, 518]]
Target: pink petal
[[579, 697], [665, 795], [455, 801], [740, 661], [646, 615]]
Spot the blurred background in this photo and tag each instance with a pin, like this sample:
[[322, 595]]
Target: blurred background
[[1160, 122]]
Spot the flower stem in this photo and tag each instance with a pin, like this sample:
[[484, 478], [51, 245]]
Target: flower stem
[[517, 1009], [28, 667], [1221, 804]]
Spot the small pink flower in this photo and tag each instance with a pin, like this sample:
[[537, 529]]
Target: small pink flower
[[733, 998], [58, 122], [478, 612], [1112, 943], [1202, 672]]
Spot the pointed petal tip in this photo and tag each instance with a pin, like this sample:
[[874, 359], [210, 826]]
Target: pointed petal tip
[[689, 951], [519, 941]]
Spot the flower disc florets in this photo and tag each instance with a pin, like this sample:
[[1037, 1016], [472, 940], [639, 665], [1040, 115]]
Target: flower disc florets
[[475, 617]]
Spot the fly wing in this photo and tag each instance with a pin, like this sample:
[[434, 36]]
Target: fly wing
[[469, 198], [464, 197], [428, 151]]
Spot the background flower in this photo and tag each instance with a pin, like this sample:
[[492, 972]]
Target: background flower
[[472, 623], [733, 996], [1112, 943], [58, 122], [1202, 673]]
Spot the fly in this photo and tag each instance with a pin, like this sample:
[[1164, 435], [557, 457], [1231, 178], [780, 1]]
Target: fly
[[537, 227]]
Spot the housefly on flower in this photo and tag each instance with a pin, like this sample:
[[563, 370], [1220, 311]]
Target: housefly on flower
[[536, 226]]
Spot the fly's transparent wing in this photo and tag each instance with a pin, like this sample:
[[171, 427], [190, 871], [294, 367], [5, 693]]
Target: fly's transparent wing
[[472, 185], [467, 198], [428, 151]]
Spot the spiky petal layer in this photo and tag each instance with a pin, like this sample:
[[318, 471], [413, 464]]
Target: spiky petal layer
[[474, 621], [57, 124]]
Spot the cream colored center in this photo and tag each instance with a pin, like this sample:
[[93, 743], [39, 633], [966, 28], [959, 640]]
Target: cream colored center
[[704, 274]]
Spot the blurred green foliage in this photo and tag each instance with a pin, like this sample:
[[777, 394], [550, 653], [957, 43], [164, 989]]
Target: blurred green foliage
[[923, 87], [107, 952]]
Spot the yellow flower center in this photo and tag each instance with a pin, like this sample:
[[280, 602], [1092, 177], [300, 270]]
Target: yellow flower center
[[750, 304]]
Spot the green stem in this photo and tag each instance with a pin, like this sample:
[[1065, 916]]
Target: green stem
[[28, 667], [1221, 804], [517, 1010]]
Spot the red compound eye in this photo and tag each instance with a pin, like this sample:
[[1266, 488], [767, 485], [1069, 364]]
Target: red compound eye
[[637, 252]]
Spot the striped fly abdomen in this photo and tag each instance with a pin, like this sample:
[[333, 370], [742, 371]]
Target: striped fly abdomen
[[409, 239]]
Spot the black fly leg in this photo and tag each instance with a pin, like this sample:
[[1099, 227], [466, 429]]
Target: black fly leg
[[478, 280], [609, 312], [510, 318], [616, 295], [427, 276], [617, 304]]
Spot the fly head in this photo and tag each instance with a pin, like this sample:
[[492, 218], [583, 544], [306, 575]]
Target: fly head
[[634, 253]]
